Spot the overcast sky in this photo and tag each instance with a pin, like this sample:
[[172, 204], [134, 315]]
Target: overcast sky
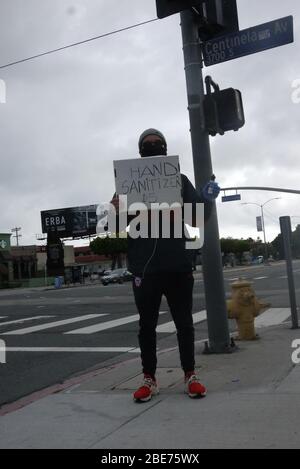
[[67, 116]]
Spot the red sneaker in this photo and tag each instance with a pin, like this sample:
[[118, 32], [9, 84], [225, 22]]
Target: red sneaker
[[194, 388], [147, 390]]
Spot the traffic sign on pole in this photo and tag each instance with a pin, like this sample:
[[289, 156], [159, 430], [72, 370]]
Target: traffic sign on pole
[[249, 41], [231, 198], [259, 224]]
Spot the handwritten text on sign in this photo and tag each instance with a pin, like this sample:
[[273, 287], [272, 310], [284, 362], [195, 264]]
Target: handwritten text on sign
[[149, 180]]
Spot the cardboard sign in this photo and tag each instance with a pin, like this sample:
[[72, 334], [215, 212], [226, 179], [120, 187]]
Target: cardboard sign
[[149, 180]]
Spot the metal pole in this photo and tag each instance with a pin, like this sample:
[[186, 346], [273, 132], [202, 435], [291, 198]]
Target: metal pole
[[286, 231], [268, 189], [218, 329], [46, 279], [264, 230]]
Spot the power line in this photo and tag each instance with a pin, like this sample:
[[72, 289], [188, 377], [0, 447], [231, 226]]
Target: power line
[[77, 43]]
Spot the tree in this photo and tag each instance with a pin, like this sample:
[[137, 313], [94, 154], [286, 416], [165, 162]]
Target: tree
[[296, 242], [110, 247], [277, 244], [235, 246]]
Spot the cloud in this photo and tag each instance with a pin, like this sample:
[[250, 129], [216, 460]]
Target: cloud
[[70, 114]]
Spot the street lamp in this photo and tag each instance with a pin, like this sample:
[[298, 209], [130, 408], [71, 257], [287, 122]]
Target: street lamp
[[263, 220]]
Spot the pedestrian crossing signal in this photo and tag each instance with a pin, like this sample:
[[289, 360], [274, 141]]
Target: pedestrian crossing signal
[[224, 111], [171, 7], [219, 17], [214, 17]]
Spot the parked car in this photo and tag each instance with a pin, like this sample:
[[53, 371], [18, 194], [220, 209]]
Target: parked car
[[107, 272], [258, 260], [127, 276], [116, 276]]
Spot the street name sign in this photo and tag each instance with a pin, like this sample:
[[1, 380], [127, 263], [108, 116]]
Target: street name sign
[[249, 41], [231, 198]]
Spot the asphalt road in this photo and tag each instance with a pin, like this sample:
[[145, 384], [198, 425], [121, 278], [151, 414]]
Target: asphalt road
[[84, 327]]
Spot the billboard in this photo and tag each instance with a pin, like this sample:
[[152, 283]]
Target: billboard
[[70, 222]]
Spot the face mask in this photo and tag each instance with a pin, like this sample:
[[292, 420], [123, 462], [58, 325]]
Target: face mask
[[153, 149]]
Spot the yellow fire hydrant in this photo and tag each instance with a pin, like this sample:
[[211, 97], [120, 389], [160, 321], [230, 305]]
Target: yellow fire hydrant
[[244, 307]]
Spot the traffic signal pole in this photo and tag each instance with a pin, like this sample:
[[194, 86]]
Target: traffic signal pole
[[217, 319]]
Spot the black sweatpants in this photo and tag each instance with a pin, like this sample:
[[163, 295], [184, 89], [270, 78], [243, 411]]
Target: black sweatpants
[[178, 290]]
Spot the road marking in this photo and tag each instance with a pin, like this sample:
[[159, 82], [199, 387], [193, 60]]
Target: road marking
[[73, 349], [170, 327], [284, 276], [232, 279], [18, 321], [259, 278], [272, 317], [3, 317], [107, 325], [29, 330]]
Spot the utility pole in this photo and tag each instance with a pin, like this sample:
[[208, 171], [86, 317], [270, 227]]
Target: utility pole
[[286, 232], [217, 319], [17, 235]]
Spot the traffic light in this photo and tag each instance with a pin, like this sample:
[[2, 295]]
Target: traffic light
[[214, 16], [170, 7], [223, 111], [219, 17]]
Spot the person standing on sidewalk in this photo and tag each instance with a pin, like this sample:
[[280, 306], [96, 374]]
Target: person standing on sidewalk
[[160, 267]]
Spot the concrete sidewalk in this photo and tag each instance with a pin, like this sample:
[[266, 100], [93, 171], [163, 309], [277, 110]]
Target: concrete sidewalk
[[253, 402]]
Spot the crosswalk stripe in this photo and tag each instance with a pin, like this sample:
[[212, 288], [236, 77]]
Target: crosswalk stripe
[[170, 327], [107, 325], [29, 330], [272, 317], [73, 349], [3, 317], [18, 321], [259, 278]]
